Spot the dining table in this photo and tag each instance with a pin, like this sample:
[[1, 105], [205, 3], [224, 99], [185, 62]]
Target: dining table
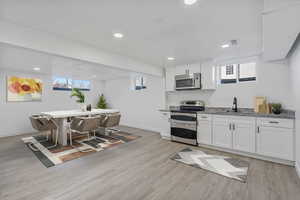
[[61, 119]]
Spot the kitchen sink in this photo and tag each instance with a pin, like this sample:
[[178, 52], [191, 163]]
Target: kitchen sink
[[240, 111]]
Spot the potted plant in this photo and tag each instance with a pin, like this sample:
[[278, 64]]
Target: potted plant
[[80, 98], [276, 108], [102, 102]]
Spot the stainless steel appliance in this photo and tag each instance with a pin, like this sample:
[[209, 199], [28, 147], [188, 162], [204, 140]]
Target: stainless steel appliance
[[188, 81], [184, 122]]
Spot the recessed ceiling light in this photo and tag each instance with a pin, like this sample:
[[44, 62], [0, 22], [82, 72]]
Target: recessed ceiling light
[[171, 58], [230, 43], [224, 46], [36, 69], [118, 35], [189, 2]]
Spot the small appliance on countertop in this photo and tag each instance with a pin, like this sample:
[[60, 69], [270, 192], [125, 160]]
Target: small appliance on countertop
[[184, 121]]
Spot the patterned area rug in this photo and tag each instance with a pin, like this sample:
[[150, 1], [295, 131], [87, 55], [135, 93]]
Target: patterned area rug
[[226, 166], [62, 154]]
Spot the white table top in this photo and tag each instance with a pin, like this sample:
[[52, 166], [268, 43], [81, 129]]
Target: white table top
[[74, 113]]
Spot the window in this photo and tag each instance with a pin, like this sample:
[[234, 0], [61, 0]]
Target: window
[[81, 84], [63, 83], [228, 74], [238, 73], [229, 70], [247, 72], [140, 83]]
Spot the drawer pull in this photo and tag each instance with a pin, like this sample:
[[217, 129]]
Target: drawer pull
[[273, 122], [203, 117]]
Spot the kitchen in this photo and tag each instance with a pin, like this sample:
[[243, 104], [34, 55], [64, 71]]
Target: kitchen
[[230, 124]]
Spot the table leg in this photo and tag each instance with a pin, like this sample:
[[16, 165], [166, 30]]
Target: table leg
[[62, 131]]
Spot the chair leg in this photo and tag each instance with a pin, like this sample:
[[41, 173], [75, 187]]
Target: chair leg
[[71, 142]]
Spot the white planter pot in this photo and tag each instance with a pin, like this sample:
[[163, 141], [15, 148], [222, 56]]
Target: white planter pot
[[82, 107]]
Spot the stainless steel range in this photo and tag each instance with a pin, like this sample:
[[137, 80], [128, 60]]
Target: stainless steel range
[[184, 122]]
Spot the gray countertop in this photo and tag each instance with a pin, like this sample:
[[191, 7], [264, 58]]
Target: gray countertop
[[286, 114]]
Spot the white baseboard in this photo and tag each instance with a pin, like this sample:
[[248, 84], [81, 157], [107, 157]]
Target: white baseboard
[[297, 167]]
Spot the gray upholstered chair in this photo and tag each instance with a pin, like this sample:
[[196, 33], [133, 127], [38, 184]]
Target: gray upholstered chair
[[43, 124], [83, 125], [109, 122]]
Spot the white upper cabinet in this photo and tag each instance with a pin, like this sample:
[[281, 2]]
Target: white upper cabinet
[[170, 79], [194, 68], [208, 76], [188, 68]]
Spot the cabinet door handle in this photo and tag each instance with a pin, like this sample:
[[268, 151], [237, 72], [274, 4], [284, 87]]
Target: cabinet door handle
[[258, 129], [233, 127], [229, 126]]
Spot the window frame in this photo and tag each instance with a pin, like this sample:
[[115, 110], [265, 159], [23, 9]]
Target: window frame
[[228, 81], [237, 79], [142, 86]]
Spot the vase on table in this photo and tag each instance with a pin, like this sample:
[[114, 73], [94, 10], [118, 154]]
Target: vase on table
[[82, 107]]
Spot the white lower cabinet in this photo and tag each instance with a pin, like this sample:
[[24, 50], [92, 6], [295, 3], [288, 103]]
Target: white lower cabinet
[[204, 129], [275, 138], [243, 134], [166, 128], [236, 133], [222, 134]]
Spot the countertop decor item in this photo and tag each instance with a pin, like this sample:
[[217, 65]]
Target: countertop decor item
[[276, 108], [259, 104], [102, 102]]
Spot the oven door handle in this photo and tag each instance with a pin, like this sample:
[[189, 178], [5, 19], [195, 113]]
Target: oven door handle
[[174, 121]]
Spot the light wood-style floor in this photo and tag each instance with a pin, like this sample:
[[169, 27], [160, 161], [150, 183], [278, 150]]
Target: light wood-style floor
[[137, 170]]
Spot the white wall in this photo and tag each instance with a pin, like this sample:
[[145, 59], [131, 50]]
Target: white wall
[[14, 115], [272, 82], [138, 108], [295, 82]]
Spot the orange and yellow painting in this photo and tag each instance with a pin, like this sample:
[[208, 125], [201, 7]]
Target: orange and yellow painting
[[24, 89]]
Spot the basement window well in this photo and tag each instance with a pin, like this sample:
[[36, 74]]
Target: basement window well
[[235, 73]]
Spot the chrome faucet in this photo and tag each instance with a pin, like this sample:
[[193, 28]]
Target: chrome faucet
[[234, 106]]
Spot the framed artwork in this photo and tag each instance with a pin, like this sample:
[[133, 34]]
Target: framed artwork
[[24, 89]]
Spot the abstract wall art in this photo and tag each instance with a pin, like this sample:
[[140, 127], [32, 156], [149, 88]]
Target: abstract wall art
[[24, 89]]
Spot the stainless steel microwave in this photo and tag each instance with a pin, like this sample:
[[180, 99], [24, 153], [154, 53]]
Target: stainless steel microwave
[[188, 81]]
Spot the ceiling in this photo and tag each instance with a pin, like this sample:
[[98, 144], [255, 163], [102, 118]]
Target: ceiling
[[153, 29], [18, 60]]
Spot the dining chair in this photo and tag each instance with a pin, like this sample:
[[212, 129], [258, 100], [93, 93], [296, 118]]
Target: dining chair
[[110, 122], [83, 125], [47, 125]]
